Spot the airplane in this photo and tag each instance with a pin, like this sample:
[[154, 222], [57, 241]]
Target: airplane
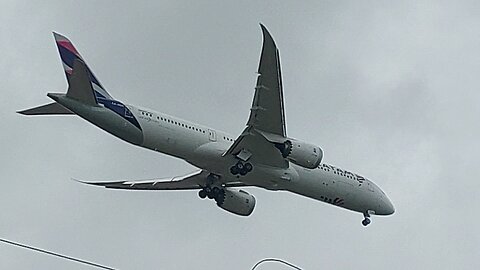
[[261, 156]]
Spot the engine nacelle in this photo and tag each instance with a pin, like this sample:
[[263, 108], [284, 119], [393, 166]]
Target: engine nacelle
[[236, 201], [301, 153]]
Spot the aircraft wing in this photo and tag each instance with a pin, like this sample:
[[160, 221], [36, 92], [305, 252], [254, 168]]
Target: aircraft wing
[[267, 114], [196, 180]]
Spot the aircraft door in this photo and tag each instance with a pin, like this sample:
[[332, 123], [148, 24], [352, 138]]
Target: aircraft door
[[212, 136]]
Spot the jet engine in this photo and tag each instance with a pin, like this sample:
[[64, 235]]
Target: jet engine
[[301, 153], [236, 201]]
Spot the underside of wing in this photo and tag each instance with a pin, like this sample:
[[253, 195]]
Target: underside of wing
[[256, 148], [267, 112], [195, 180]]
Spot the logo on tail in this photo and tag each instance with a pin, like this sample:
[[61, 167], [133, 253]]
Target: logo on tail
[[68, 54], [83, 87]]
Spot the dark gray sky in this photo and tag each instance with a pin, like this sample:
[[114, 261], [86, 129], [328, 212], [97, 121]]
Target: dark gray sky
[[388, 90]]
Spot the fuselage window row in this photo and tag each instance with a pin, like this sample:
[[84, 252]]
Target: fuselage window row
[[179, 124]]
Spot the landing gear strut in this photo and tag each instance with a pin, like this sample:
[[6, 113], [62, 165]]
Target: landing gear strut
[[241, 168], [367, 220]]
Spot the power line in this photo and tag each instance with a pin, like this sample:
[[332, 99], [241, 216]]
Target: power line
[[56, 254], [109, 268], [276, 260]]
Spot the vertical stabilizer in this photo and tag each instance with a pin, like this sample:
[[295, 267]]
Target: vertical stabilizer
[[68, 54], [80, 87]]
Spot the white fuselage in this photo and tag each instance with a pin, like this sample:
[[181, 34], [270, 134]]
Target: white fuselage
[[262, 156], [203, 147]]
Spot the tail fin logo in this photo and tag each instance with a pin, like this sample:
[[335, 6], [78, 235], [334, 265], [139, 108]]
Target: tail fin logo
[[68, 54]]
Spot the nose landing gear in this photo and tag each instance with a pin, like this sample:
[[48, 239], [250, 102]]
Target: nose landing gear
[[367, 220]]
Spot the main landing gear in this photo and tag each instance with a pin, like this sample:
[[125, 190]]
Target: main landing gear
[[241, 168], [367, 220], [214, 193]]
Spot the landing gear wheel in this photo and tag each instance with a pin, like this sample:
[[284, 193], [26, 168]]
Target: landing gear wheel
[[215, 192], [366, 221], [219, 195], [248, 167], [241, 168], [202, 194], [234, 170]]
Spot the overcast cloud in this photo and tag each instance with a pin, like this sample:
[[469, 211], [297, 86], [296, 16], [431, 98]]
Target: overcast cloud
[[389, 90]]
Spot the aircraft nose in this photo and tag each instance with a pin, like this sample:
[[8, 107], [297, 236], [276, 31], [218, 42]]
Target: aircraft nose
[[384, 205], [387, 207]]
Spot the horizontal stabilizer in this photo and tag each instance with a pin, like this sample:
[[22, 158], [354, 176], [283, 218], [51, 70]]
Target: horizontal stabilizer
[[47, 109]]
